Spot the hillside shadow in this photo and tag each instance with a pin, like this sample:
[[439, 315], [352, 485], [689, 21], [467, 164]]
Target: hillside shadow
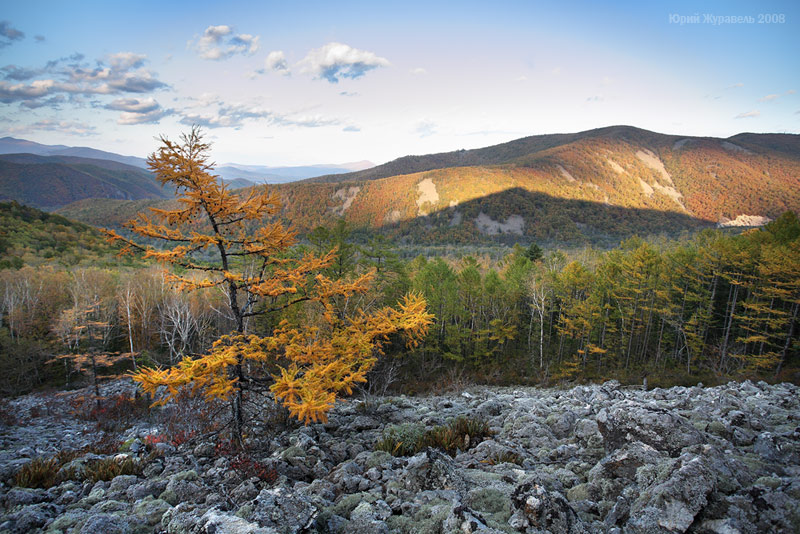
[[544, 219]]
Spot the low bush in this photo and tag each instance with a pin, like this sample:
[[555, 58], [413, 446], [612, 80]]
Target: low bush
[[243, 463], [110, 413], [7, 416], [109, 468], [39, 473], [505, 457], [401, 440], [459, 434], [45, 473]]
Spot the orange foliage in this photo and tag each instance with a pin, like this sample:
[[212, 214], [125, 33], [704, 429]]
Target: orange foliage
[[253, 266]]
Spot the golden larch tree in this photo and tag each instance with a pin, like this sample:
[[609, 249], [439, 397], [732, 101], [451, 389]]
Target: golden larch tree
[[251, 262]]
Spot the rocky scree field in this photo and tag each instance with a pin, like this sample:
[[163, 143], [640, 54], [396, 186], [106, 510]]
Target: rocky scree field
[[599, 458]]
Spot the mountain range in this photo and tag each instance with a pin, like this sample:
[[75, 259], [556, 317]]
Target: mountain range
[[597, 186], [49, 182], [238, 175]]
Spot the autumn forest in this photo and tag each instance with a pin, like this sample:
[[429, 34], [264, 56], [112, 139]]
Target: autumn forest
[[232, 300]]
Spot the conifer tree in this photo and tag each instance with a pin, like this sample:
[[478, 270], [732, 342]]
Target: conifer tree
[[252, 263]]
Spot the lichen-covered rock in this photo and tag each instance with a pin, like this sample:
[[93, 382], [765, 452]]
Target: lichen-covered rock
[[106, 524], [541, 510], [23, 497], [216, 522], [150, 510], [31, 517], [184, 486], [283, 510], [675, 497], [661, 429], [595, 458], [432, 469]]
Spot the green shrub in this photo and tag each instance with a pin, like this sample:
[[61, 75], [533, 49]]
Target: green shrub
[[38, 473], [401, 440], [109, 468], [461, 433]]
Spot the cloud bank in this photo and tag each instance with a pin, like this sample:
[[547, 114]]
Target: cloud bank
[[119, 73]]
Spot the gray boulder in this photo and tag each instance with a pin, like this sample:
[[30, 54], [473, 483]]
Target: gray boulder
[[537, 509], [673, 500], [661, 429], [285, 511]]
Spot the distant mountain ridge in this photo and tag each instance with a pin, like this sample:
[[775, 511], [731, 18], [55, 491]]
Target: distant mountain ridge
[[597, 186], [11, 145], [259, 174], [507, 153], [237, 174], [49, 182]]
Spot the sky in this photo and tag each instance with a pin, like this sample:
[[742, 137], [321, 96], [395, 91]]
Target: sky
[[298, 83]]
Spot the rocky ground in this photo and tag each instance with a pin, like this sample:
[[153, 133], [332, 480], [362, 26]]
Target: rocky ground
[[595, 458]]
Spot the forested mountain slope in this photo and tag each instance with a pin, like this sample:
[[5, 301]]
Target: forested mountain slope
[[49, 182], [592, 186]]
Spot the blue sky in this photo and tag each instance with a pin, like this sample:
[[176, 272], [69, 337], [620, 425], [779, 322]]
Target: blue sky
[[285, 83]]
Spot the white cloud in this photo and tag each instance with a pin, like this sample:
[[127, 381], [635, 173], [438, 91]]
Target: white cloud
[[769, 98], [54, 102], [122, 61], [425, 128], [15, 92], [219, 42], [748, 114], [305, 121], [227, 116], [138, 111], [236, 115], [122, 72], [276, 61], [150, 117], [418, 71], [54, 125], [15, 72], [133, 105], [336, 60]]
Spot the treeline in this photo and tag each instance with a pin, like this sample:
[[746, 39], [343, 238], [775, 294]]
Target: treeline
[[713, 307], [708, 308]]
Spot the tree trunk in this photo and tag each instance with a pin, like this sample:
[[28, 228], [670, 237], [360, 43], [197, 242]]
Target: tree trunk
[[788, 342], [724, 351]]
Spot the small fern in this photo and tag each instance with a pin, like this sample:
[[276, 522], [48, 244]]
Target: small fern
[[39, 473], [461, 433]]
